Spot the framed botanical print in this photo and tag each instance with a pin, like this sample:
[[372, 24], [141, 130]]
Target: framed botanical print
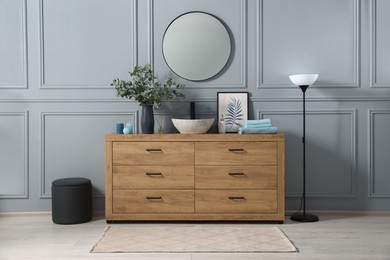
[[233, 109]]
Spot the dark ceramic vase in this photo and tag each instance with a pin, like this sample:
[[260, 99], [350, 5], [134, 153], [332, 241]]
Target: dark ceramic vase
[[147, 119]]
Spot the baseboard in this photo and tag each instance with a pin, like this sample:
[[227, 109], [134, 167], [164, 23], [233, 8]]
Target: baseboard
[[42, 213], [26, 213], [288, 213], [343, 213]]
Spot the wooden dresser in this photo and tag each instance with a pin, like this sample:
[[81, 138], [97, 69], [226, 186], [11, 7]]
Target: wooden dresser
[[195, 177]]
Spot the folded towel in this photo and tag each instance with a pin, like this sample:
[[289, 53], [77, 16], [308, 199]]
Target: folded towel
[[261, 121], [268, 130], [258, 125]]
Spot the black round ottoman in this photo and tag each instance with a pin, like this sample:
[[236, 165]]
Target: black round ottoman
[[71, 200]]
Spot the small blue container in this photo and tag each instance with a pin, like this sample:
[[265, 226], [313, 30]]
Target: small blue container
[[119, 128]]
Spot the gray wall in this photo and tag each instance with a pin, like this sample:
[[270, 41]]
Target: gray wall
[[58, 57]]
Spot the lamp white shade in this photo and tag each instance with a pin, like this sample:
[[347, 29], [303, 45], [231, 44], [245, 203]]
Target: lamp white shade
[[303, 79]]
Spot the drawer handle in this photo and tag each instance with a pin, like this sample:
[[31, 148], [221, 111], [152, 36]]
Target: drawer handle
[[236, 198], [154, 198], [154, 150], [236, 174], [240, 150], [153, 174]]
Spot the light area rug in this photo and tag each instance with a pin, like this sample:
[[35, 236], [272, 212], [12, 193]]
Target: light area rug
[[193, 239]]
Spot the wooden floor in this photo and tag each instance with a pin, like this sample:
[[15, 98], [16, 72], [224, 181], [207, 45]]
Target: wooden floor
[[336, 236]]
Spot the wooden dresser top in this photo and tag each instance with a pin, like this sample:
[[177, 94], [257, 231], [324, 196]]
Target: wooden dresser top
[[195, 137]]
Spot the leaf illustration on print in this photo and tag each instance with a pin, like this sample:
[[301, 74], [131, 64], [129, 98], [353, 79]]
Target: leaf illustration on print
[[234, 113]]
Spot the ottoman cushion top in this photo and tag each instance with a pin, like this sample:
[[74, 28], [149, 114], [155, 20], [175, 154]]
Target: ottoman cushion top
[[71, 182]]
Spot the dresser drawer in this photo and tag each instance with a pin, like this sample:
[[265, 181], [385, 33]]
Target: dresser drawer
[[236, 177], [236, 201], [153, 153], [153, 177], [236, 153], [153, 201]]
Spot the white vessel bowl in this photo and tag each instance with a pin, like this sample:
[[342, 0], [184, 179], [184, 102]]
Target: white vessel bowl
[[193, 126]]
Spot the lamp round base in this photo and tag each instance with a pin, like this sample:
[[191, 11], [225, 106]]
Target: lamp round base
[[307, 217]]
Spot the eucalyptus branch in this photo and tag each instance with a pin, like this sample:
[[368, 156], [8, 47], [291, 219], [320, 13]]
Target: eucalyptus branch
[[144, 87]]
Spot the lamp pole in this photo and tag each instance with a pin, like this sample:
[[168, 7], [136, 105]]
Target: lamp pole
[[304, 217], [304, 88]]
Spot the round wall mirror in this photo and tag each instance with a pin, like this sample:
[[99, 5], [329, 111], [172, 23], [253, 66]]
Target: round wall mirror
[[196, 46]]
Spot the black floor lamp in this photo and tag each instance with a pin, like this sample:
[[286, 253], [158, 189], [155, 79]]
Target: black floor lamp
[[304, 81]]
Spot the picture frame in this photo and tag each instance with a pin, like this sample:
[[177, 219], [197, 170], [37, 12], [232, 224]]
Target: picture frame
[[232, 109]]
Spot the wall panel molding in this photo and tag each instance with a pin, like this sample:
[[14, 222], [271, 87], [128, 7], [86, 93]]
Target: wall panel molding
[[322, 99], [378, 163], [242, 38], [25, 162], [321, 83], [43, 45], [352, 193], [204, 99], [151, 32], [24, 81], [374, 81], [45, 134]]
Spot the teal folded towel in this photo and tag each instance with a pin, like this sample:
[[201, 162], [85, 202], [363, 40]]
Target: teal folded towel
[[258, 125], [268, 130], [260, 121]]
